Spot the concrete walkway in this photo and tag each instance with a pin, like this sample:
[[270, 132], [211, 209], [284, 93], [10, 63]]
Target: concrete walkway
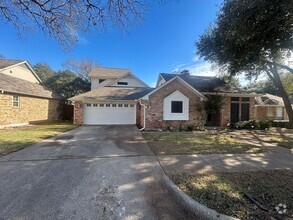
[[227, 162]]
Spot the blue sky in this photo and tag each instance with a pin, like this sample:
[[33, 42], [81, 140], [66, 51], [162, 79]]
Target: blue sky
[[162, 42]]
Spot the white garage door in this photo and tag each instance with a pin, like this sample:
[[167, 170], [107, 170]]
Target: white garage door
[[109, 114]]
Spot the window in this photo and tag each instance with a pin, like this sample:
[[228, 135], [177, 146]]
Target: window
[[131, 105], [113, 105], [95, 105], [88, 105], [15, 101], [270, 112], [235, 99], [101, 105], [101, 80], [126, 105], [119, 105], [280, 113], [108, 105], [245, 99], [176, 107], [122, 83]]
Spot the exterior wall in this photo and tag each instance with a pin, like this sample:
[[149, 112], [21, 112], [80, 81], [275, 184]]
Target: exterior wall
[[154, 111], [225, 115], [261, 113], [78, 113], [21, 72], [132, 82], [30, 109], [95, 83]]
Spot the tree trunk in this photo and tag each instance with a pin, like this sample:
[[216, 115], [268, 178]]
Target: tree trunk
[[278, 83]]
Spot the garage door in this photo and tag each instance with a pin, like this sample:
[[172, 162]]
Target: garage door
[[109, 114]]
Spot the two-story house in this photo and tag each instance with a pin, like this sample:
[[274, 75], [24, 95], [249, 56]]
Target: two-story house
[[23, 99], [119, 97]]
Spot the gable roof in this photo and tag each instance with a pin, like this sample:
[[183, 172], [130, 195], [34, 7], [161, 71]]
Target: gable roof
[[129, 73], [204, 83], [19, 86], [269, 99], [104, 72], [6, 64], [112, 93], [180, 80]]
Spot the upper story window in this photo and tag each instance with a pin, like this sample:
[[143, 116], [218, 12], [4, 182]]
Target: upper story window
[[176, 107], [101, 80], [122, 83], [15, 101]]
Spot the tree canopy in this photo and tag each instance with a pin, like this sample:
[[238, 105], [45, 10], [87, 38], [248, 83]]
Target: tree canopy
[[44, 71], [65, 20], [252, 37]]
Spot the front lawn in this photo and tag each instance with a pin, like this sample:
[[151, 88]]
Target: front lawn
[[171, 143], [12, 139], [224, 192]]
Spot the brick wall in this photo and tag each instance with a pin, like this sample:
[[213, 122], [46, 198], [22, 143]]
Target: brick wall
[[30, 109], [261, 113], [225, 115], [154, 111], [78, 113]]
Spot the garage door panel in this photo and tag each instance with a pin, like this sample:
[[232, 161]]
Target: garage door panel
[[109, 114]]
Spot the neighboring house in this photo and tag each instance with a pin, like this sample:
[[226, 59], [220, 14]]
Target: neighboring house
[[270, 107], [23, 98], [119, 97]]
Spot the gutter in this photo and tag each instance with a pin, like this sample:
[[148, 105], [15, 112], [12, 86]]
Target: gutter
[[144, 113]]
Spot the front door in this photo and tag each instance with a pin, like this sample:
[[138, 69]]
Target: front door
[[234, 112]]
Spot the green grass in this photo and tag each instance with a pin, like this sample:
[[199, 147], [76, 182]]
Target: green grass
[[224, 192], [172, 143], [12, 139]]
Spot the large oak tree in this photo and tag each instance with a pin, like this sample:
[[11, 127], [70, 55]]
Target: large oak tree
[[252, 37]]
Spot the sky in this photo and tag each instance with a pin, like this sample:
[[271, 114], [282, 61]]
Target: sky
[[163, 42]]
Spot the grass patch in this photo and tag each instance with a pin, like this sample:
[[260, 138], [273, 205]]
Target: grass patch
[[197, 143], [12, 139], [224, 192]]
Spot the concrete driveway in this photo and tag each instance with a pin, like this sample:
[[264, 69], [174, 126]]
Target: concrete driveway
[[92, 172]]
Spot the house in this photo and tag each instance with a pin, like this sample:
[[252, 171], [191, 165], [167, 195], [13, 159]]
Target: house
[[119, 97], [23, 99], [270, 107]]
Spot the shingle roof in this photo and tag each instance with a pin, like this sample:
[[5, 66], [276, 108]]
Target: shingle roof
[[269, 99], [112, 93], [20, 86], [204, 83], [103, 72], [7, 63]]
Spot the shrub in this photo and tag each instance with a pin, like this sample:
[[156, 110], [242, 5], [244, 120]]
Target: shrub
[[181, 127], [191, 127], [280, 124], [252, 125]]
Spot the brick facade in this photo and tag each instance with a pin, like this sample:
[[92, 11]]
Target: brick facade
[[78, 113], [30, 109], [225, 115], [261, 113], [154, 111]]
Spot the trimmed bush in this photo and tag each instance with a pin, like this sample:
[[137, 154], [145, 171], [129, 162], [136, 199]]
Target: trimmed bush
[[280, 124], [252, 125]]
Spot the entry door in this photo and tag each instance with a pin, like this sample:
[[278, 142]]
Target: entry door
[[234, 112], [244, 111]]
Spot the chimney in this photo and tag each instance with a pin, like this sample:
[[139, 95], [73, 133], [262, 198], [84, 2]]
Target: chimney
[[184, 73]]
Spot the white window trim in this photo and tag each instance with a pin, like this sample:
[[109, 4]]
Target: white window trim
[[167, 107], [18, 101]]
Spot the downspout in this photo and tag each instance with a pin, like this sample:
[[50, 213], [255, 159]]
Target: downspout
[[144, 110], [1, 91]]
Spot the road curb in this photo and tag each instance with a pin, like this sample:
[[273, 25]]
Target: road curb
[[190, 204]]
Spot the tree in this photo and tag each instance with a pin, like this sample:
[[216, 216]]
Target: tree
[[252, 37], [44, 71], [67, 84], [231, 80], [81, 67], [65, 20]]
